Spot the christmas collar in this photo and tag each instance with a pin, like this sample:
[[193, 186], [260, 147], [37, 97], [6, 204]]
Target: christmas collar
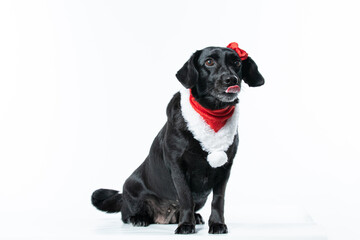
[[214, 143], [216, 119]]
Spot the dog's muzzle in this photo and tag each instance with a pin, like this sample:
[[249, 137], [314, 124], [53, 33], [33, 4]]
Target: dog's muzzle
[[232, 83]]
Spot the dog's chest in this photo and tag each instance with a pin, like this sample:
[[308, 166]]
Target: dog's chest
[[214, 143]]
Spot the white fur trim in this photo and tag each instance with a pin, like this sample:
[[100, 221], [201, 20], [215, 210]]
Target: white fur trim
[[217, 159], [210, 141]]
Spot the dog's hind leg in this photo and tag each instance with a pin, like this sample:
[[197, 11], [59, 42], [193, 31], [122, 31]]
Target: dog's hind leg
[[137, 213], [135, 209], [199, 219]]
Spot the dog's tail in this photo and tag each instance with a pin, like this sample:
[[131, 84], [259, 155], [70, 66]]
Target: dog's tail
[[107, 200]]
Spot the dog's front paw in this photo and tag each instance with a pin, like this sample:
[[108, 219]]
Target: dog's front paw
[[218, 228], [185, 229]]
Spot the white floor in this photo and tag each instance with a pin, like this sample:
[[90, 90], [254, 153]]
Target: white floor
[[256, 222]]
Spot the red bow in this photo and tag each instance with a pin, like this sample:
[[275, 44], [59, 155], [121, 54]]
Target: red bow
[[242, 54]]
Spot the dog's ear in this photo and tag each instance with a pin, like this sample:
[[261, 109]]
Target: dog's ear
[[188, 74], [250, 73]]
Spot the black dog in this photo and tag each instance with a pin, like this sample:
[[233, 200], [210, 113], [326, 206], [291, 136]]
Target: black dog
[[191, 156]]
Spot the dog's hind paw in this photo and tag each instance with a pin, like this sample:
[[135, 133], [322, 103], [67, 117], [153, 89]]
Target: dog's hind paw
[[198, 219], [218, 228], [139, 221], [185, 229]]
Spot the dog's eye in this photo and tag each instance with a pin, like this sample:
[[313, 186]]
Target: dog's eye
[[209, 62], [237, 63]]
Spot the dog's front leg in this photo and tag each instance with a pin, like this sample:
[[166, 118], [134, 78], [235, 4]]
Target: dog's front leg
[[187, 215], [174, 147], [216, 221]]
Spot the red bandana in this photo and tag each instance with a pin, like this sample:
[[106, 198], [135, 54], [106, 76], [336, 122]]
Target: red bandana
[[216, 119], [242, 54]]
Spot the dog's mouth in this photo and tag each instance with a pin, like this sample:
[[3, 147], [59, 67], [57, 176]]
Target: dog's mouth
[[226, 94], [233, 89]]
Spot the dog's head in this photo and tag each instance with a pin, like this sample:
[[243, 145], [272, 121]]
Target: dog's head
[[214, 75]]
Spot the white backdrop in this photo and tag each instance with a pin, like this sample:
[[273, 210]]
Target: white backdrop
[[84, 86]]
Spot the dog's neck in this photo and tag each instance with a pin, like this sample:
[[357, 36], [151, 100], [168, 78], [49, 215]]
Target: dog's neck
[[215, 143], [210, 102], [216, 119]]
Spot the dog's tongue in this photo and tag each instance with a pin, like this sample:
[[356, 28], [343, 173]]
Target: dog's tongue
[[233, 89]]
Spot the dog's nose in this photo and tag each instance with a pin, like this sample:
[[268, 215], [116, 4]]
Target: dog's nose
[[230, 80]]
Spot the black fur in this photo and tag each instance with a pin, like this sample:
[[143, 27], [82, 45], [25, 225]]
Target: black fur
[[175, 179], [107, 200]]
